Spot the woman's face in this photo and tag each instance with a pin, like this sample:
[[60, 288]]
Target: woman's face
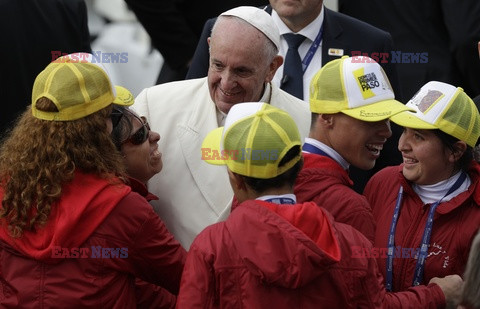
[[426, 159], [142, 157]]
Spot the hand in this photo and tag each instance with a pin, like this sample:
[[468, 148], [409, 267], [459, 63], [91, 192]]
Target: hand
[[452, 288]]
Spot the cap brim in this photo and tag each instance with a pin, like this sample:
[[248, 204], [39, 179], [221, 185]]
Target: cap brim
[[410, 120], [377, 111], [124, 96], [211, 147]]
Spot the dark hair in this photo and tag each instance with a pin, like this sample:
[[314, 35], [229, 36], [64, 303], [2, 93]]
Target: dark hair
[[260, 185], [314, 120], [463, 163], [122, 125]]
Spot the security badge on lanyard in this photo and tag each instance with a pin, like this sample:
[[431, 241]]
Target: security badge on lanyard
[[422, 255]]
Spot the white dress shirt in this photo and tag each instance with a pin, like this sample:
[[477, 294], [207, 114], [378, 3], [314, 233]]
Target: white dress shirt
[[310, 32]]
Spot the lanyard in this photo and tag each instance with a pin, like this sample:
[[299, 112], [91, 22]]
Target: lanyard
[[313, 149], [312, 50], [281, 200], [422, 255]]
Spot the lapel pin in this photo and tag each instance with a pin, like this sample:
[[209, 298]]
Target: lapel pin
[[335, 52]]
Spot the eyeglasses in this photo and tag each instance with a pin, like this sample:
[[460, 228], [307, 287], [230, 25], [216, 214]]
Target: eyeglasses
[[141, 135]]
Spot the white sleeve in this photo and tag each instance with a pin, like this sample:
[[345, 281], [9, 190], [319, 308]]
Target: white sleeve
[[141, 104]]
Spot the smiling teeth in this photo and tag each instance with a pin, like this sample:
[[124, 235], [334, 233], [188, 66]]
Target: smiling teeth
[[227, 93], [407, 160], [374, 148]]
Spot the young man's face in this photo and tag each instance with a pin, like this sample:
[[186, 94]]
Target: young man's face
[[358, 142]]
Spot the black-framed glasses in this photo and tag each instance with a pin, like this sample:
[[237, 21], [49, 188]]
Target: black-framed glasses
[[141, 135]]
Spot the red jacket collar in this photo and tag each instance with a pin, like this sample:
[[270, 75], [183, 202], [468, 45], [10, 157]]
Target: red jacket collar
[[140, 188]]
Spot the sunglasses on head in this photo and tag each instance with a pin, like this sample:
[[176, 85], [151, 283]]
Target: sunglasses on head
[[141, 135], [116, 116]]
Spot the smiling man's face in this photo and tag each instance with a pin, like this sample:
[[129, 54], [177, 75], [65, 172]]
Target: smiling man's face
[[239, 65]]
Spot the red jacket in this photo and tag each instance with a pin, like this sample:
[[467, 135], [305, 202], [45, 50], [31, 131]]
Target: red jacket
[[454, 225], [149, 295], [323, 181], [282, 256], [98, 238]]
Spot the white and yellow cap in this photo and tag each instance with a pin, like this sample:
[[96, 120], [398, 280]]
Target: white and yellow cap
[[358, 89], [79, 86], [445, 107], [254, 140]]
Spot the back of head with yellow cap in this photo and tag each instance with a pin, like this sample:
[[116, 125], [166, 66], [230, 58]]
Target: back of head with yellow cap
[[254, 140], [259, 142], [78, 86], [65, 132]]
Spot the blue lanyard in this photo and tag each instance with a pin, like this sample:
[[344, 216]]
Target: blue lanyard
[[281, 200], [422, 255], [313, 149], [312, 50]]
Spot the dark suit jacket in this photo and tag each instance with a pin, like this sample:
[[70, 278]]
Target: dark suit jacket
[[447, 30], [31, 30], [341, 32]]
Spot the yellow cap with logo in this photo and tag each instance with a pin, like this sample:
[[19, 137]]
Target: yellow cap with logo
[[445, 107], [358, 89]]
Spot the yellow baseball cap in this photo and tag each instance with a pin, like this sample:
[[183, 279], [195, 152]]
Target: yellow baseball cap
[[254, 140], [445, 107], [358, 89], [78, 86]]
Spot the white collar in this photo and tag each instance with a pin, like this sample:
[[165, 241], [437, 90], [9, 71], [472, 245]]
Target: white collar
[[329, 151], [433, 193]]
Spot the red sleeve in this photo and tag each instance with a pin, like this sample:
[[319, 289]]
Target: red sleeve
[[157, 257], [362, 220], [421, 297], [197, 288], [149, 295], [150, 251]]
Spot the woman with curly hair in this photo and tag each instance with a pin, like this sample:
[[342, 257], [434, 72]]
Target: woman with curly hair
[[72, 233]]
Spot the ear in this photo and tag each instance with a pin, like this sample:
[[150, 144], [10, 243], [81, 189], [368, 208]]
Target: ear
[[239, 186], [274, 65], [326, 120], [237, 181], [459, 149]]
